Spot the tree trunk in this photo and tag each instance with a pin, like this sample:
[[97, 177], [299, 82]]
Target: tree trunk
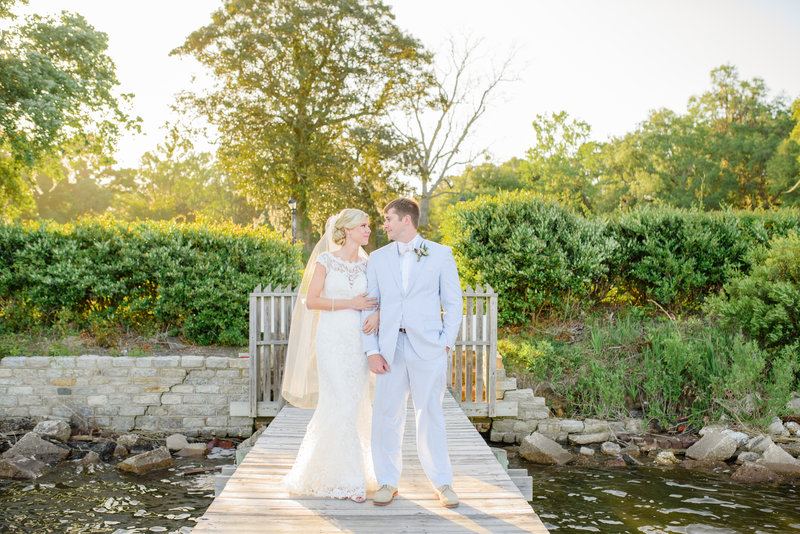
[[424, 208]]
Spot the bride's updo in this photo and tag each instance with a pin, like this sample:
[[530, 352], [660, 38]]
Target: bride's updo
[[348, 218]]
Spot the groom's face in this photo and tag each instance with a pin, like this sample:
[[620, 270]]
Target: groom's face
[[392, 224]]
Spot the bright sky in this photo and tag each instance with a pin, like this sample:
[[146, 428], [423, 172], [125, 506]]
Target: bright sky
[[607, 62]]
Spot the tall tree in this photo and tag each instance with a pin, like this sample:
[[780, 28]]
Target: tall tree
[[785, 171], [745, 128], [442, 112], [561, 164], [175, 182], [82, 193], [294, 77], [57, 100]]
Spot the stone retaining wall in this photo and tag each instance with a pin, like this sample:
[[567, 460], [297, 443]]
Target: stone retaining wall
[[187, 394], [533, 415]]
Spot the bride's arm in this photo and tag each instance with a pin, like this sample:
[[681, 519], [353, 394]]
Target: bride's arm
[[315, 300]]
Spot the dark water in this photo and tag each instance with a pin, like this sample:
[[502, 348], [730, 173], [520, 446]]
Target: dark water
[[646, 500], [108, 501], [654, 500]]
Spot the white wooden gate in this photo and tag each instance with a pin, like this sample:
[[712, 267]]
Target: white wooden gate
[[472, 365]]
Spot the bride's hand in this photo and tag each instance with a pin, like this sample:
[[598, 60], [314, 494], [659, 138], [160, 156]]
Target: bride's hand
[[361, 302], [370, 326]]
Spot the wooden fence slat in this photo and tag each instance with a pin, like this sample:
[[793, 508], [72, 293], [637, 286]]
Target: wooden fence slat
[[480, 316], [253, 354], [491, 395], [469, 352]]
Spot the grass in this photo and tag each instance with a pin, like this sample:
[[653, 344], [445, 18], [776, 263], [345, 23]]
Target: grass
[[615, 363]]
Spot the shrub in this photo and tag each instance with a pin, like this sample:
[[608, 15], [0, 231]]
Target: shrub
[[677, 257], [143, 275], [765, 302], [532, 251], [674, 257]]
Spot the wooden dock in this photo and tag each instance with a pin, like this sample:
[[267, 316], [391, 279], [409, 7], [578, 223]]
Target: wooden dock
[[253, 500]]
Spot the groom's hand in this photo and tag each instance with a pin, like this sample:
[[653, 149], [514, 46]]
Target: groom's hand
[[377, 364]]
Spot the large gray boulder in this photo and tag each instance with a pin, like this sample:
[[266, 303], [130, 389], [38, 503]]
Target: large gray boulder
[[780, 461], [610, 448], [747, 456], [776, 428], [33, 446], [21, 468], [754, 473], [759, 443], [584, 439], [176, 442], [714, 446], [740, 438], [193, 449], [59, 430], [540, 449], [147, 461]]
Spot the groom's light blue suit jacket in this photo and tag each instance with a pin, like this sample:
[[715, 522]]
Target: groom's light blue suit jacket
[[433, 288]]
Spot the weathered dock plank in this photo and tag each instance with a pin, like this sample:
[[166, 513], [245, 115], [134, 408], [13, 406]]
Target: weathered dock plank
[[253, 500]]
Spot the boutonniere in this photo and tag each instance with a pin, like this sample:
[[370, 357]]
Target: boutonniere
[[421, 251]]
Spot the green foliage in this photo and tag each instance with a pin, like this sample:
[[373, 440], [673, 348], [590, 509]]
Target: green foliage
[[765, 302], [532, 251], [175, 182], [56, 101], [664, 369], [98, 273], [476, 180], [67, 200], [561, 164], [672, 256], [731, 148]]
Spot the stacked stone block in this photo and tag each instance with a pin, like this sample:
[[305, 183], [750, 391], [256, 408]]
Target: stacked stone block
[[533, 415], [188, 394]]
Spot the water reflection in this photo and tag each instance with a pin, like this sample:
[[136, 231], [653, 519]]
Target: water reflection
[[652, 500]]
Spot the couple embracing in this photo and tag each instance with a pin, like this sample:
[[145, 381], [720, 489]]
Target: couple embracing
[[381, 315]]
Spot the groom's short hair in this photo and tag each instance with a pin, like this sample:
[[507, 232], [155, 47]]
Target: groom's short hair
[[403, 207]]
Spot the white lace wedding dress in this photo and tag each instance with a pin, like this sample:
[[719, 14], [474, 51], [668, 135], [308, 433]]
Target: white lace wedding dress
[[335, 458]]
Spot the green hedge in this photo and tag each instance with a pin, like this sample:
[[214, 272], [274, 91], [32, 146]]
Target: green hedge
[[538, 254], [678, 257], [532, 251], [146, 276]]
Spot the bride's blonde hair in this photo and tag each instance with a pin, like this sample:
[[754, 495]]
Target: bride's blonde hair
[[348, 218]]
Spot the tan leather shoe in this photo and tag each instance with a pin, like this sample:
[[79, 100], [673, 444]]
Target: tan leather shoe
[[447, 496], [384, 495]]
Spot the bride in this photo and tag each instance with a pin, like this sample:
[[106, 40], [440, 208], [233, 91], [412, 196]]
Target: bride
[[326, 367]]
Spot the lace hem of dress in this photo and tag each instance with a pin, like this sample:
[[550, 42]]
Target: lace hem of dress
[[331, 493]]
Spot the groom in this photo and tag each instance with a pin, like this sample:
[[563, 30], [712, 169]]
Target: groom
[[414, 280]]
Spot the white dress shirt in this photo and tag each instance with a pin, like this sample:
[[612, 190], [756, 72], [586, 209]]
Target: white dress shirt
[[406, 251]]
